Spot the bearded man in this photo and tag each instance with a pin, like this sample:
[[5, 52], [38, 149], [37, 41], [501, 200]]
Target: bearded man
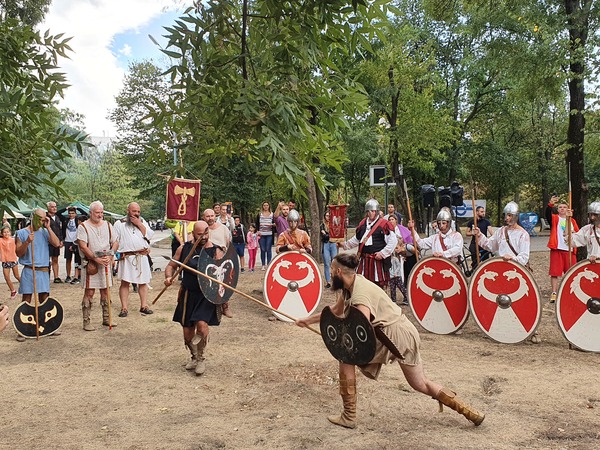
[[354, 290], [97, 244], [133, 234]]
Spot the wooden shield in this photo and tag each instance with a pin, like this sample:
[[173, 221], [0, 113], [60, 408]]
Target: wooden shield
[[438, 295], [225, 270], [293, 285], [349, 339], [505, 300], [578, 306], [50, 315]]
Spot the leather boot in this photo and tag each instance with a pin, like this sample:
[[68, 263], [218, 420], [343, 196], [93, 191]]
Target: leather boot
[[448, 398], [105, 320], [348, 417], [193, 362], [200, 346], [86, 308]]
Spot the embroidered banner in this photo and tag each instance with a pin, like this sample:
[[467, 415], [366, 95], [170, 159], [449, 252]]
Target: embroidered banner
[[337, 223], [183, 199]]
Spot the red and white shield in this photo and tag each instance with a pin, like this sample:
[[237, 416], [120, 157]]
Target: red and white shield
[[438, 295], [578, 306], [293, 285], [505, 300]]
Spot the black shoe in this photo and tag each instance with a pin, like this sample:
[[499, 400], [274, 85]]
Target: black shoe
[[145, 310], [123, 313], [57, 280], [68, 279], [327, 286], [75, 281]]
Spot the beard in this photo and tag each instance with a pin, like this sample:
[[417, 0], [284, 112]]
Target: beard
[[337, 283]]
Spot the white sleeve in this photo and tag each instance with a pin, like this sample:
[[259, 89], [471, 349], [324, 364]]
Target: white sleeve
[[391, 240], [456, 248]]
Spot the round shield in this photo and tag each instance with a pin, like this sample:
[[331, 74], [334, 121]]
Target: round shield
[[505, 300], [578, 306], [50, 316], [438, 295], [349, 339], [225, 269], [293, 285]]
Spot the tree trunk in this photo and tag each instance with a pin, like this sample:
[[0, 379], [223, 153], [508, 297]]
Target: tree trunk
[[578, 23], [313, 207]]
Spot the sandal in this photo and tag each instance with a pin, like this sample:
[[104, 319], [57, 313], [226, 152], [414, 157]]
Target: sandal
[[13, 294], [123, 313], [146, 310]]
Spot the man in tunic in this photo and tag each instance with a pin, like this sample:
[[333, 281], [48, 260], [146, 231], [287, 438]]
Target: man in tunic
[[38, 235], [376, 241], [293, 238], [355, 290], [97, 243], [589, 235], [194, 312], [133, 235], [445, 243], [220, 237]]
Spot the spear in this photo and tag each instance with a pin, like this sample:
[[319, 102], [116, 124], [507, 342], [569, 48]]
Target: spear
[[473, 187], [410, 215], [243, 294], [569, 218]]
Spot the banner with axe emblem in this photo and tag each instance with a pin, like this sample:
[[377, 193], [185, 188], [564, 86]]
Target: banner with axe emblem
[[183, 199]]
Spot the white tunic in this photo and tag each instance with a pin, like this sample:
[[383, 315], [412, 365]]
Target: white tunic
[[453, 241], [133, 268], [519, 239], [585, 238], [97, 239]]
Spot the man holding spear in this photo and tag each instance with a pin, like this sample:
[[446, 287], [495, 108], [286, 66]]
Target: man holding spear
[[97, 244], [194, 312], [31, 246]]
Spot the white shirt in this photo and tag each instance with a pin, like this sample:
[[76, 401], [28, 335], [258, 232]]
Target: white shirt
[[519, 239], [585, 237], [453, 241], [130, 237]]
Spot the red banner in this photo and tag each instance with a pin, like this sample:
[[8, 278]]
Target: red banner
[[183, 199], [337, 223]]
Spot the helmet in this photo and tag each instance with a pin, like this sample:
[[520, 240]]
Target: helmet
[[594, 208], [513, 209], [444, 214], [372, 205], [293, 216]]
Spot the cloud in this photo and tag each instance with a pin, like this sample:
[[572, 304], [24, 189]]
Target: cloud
[[93, 70]]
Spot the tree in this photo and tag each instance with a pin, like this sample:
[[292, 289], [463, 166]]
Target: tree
[[33, 140]]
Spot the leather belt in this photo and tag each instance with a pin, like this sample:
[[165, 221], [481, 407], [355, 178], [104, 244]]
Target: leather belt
[[38, 269]]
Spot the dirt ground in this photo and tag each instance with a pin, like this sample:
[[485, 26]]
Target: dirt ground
[[271, 385]]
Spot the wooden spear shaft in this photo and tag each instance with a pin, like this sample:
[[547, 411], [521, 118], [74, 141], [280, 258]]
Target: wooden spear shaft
[[569, 232], [410, 217], [243, 294], [35, 295], [474, 222], [179, 269]]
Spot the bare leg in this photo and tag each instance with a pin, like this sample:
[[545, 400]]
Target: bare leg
[[55, 266], [124, 295], [16, 273], [9, 283], [415, 376], [143, 291], [68, 267]]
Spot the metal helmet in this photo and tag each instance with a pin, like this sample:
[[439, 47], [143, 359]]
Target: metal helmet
[[444, 214], [594, 208], [372, 205], [293, 216], [513, 209]]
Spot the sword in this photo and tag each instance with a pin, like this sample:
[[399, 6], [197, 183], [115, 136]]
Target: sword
[[243, 294], [179, 269], [101, 254]]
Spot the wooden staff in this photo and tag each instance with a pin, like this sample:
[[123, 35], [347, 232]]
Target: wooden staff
[[35, 295], [243, 294], [106, 269], [569, 232], [474, 222], [410, 217], [179, 269]]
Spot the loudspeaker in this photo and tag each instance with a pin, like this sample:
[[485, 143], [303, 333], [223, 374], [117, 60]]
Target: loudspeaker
[[444, 197], [428, 193], [457, 192]]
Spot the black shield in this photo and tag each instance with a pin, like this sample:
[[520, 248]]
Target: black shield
[[50, 316], [225, 270], [350, 339]]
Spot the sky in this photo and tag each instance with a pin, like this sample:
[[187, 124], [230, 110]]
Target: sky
[[106, 36]]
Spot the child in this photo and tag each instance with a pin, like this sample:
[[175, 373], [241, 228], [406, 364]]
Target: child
[[252, 245], [9, 259], [397, 272]]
